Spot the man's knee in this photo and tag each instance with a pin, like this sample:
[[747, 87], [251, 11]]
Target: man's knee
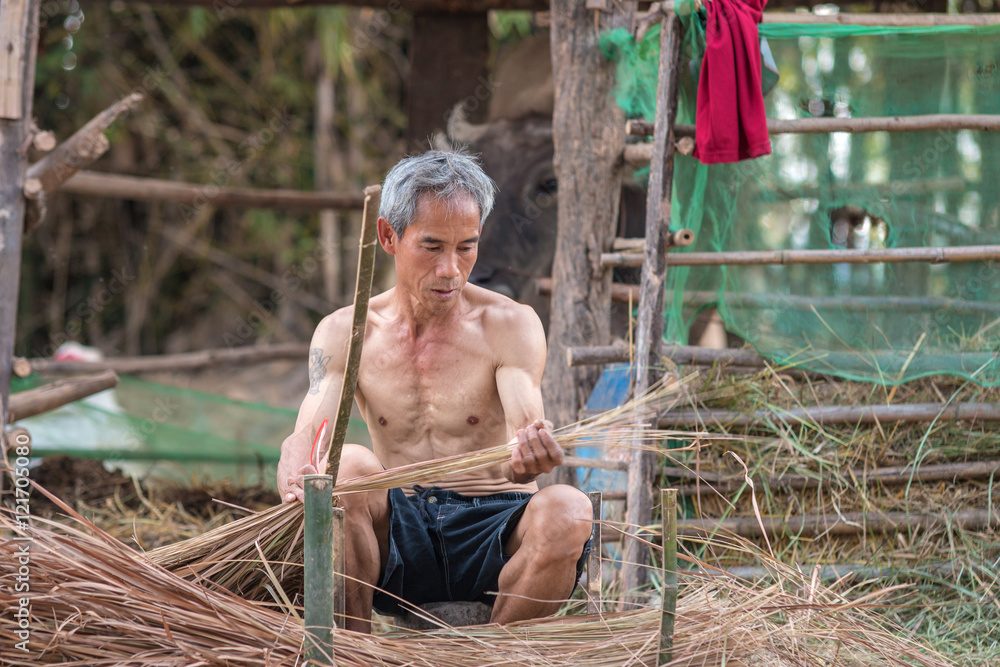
[[357, 461], [563, 515]]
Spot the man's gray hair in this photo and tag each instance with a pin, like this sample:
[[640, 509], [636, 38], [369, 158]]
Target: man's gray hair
[[445, 174]]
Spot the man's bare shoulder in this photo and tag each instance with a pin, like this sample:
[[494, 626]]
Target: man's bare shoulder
[[507, 324], [334, 326]]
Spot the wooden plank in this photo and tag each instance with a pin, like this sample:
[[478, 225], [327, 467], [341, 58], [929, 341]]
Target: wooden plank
[[874, 19], [649, 328], [589, 170], [196, 194], [839, 414], [19, 42]]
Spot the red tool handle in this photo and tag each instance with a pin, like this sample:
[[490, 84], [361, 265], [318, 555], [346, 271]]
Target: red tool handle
[[320, 436]]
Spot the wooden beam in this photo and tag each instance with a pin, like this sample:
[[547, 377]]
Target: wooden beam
[[595, 575], [18, 48], [174, 362], [589, 170], [43, 399], [683, 355], [193, 194], [649, 326]]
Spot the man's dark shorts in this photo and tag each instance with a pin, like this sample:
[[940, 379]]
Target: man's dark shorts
[[444, 546]]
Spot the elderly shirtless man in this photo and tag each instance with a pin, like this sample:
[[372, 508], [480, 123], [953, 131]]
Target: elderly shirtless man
[[447, 368]]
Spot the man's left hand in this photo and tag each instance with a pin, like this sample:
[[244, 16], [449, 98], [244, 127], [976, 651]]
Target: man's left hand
[[536, 452]]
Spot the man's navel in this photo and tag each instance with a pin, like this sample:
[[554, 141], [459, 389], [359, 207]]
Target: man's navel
[[473, 419], [382, 421]]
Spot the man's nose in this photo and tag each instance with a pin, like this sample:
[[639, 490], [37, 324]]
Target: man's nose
[[448, 266]]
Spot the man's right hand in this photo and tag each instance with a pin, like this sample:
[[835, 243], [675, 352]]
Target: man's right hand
[[290, 483]]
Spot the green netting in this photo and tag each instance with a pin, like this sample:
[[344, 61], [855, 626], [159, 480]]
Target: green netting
[[883, 322], [145, 427]]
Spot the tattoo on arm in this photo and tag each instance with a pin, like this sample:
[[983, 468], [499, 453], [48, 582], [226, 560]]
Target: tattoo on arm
[[317, 368]]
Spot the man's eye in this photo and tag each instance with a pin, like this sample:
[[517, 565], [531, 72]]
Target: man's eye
[[432, 248], [467, 248]]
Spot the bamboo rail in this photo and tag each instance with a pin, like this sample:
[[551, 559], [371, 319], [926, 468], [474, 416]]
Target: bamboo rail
[[173, 362], [891, 255], [685, 355], [640, 153], [889, 476], [622, 293], [43, 399], [843, 525], [659, 10], [192, 194], [595, 577], [840, 414]]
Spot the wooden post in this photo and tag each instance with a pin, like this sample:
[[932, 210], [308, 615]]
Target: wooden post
[[589, 135], [595, 577], [18, 47], [318, 563], [649, 327], [668, 607], [362, 292], [339, 568]]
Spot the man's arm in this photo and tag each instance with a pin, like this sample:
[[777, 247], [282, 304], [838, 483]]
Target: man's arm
[[327, 361], [521, 346]]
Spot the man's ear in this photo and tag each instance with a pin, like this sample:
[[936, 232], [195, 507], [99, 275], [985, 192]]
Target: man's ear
[[387, 236]]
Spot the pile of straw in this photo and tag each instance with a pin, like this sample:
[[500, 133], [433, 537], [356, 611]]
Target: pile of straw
[[96, 602], [952, 565]]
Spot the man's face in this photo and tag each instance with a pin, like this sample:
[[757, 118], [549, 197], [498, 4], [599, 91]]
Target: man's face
[[437, 251]]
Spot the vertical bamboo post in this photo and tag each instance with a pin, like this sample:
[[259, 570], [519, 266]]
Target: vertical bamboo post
[[595, 578], [362, 293], [339, 567], [319, 602], [668, 521], [649, 325]]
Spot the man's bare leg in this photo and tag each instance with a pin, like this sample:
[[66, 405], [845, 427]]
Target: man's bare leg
[[366, 519], [545, 547]]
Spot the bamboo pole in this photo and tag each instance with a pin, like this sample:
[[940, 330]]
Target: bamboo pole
[[173, 362], [889, 476], [641, 153], [668, 607], [194, 194], [839, 414], [622, 293], [43, 399], [318, 557], [362, 292], [877, 20], [684, 355], [847, 524], [974, 253], [595, 576]]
